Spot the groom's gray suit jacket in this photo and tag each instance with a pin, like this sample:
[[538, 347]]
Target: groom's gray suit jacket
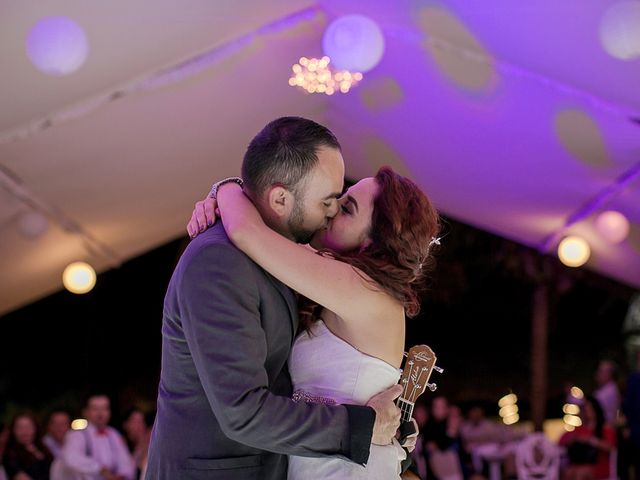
[[224, 407]]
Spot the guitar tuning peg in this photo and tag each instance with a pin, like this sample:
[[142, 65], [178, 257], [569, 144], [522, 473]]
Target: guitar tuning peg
[[438, 369], [432, 386]]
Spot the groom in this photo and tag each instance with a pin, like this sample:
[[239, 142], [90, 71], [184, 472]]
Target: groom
[[224, 406]]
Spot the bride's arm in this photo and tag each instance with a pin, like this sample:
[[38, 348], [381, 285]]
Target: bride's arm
[[333, 284]]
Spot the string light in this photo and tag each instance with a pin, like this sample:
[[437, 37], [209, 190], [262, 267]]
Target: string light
[[316, 76], [577, 392], [509, 409], [79, 424], [571, 410]]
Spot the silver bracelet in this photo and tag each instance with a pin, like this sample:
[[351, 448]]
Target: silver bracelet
[[214, 188]]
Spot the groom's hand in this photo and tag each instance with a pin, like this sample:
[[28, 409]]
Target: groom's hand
[[387, 415]]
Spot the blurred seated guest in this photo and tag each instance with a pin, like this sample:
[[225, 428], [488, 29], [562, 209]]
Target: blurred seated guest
[[441, 438], [98, 452], [26, 457], [58, 425], [477, 430], [589, 445], [479, 435], [607, 393], [137, 427]]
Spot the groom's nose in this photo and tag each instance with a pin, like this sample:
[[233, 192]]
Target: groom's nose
[[332, 211]]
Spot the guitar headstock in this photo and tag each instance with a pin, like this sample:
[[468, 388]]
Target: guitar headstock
[[420, 362]]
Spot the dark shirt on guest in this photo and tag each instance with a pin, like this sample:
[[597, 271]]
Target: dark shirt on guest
[[18, 459]]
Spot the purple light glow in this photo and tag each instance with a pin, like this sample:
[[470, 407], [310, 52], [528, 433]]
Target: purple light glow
[[57, 46]]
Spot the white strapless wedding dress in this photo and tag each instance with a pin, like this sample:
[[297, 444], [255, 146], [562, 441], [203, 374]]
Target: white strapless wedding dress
[[323, 365]]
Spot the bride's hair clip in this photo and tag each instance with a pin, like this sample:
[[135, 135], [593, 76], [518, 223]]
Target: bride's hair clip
[[434, 241]]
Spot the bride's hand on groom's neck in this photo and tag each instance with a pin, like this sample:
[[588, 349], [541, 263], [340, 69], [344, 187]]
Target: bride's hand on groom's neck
[[204, 215]]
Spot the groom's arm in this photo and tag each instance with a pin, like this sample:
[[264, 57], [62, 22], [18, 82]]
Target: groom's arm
[[220, 311]]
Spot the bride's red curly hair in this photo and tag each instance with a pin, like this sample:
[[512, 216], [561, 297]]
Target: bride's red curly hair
[[403, 224]]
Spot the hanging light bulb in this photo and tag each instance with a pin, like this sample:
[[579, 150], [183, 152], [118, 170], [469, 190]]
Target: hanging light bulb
[[620, 30], [32, 224], [613, 226], [79, 277], [354, 42], [57, 46], [574, 251]]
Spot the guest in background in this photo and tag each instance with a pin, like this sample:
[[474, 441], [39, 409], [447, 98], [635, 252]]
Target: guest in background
[[589, 445], [478, 430], [137, 427], [607, 393], [26, 457], [479, 436], [442, 441], [97, 452], [58, 425]]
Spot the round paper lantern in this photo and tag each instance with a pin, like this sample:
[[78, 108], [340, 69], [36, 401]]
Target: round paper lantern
[[57, 46], [79, 277], [354, 43], [613, 226], [620, 30], [574, 251], [32, 224]]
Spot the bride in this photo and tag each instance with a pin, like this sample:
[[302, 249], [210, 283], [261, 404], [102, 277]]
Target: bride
[[356, 287]]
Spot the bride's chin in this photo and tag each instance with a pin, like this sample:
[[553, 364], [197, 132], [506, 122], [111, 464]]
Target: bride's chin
[[317, 241]]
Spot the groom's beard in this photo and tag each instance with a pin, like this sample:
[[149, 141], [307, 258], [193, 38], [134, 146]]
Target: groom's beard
[[296, 224]]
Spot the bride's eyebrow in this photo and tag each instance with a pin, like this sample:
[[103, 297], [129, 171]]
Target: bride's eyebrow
[[353, 201]]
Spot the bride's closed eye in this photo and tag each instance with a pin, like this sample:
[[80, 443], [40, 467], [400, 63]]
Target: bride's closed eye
[[345, 209]]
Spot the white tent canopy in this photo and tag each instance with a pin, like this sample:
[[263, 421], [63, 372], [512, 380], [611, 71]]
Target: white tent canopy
[[513, 117]]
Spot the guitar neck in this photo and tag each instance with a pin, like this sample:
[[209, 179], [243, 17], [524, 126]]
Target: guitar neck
[[415, 378], [406, 409]]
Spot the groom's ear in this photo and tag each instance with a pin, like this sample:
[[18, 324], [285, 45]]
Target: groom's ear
[[280, 200]]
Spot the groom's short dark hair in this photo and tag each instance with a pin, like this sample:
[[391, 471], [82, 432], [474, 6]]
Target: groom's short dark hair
[[283, 153]]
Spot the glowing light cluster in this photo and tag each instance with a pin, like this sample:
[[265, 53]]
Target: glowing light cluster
[[509, 409], [315, 76]]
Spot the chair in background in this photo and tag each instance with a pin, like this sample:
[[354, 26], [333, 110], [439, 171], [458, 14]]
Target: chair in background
[[537, 458]]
